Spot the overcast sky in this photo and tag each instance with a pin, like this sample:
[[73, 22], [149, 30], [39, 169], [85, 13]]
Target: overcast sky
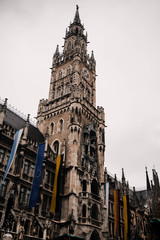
[[125, 37]]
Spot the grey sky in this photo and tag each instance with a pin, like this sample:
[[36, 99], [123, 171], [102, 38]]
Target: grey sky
[[125, 37]]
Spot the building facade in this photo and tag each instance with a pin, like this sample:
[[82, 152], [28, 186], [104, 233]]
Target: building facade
[[73, 127]]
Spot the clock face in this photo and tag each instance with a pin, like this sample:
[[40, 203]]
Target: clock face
[[85, 74]]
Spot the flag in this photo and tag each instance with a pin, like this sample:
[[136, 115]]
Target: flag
[[126, 216], [106, 189], [54, 195], [13, 152], [116, 212], [37, 176]]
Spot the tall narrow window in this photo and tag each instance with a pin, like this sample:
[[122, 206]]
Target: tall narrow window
[[28, 196], [94, 211], [67, 88], [26, 167], [32, 170], [3, 189], [58, 92], [94, 187], [56, 147], [44, 204], [47, 176], [7, 158], [52, 128], [1, 155], [22, 195], [84, 210], [84, 186], [61, 125]]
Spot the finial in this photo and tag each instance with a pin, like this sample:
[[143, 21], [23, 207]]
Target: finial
[[77, 7], [28, 117]]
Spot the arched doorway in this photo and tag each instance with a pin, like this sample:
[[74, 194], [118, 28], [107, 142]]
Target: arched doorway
[[95, 235]]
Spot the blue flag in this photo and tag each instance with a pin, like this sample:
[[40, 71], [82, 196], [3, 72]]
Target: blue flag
[[37, 176], [13, 152]]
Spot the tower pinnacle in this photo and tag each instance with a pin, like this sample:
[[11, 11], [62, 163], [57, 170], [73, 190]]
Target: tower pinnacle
[[77, 18]]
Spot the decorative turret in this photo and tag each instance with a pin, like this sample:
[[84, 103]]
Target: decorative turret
[[3, 112]]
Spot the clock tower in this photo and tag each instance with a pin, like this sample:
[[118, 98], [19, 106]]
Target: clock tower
[[76, 130]]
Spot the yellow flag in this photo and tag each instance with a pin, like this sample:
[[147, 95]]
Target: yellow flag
[[54, 195], [125, 217]]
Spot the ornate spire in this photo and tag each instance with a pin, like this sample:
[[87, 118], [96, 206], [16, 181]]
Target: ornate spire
[[57, 50], [77, 18], [123, 177], [147, 181]]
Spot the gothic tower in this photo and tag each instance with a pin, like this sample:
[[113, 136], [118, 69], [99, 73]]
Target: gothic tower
[[76, 130]]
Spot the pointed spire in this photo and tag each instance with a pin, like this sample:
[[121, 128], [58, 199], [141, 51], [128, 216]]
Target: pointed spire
[[147, 181], [92, 55], [77, 18], [123, 177], [66, 33], [86, 36], [57, 50]]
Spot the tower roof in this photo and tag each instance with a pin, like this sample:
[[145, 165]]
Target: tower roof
[[77, 18]]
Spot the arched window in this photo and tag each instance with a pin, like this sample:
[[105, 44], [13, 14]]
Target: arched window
[[95, 235], [94, 187], [52, 128], [84, 210], [94, 212], [56, 147], [69, 70], [61, 125]]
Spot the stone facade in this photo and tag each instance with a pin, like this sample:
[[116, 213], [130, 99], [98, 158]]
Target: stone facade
[[76, 130]]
